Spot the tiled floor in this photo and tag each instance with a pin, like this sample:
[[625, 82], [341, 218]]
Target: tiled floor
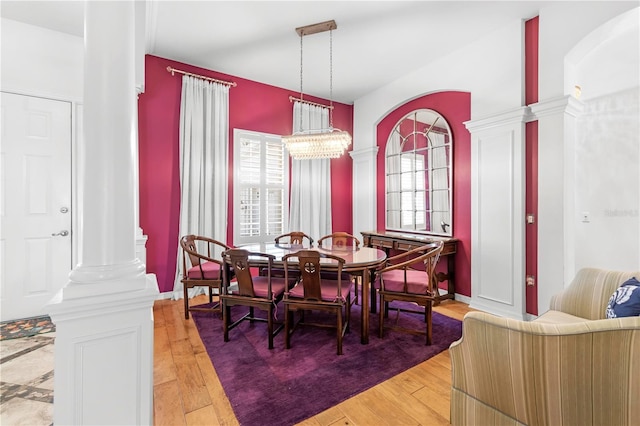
[[26, 380]]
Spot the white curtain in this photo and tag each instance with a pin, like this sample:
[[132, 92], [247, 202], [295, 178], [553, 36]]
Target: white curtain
[[439, 183], [204, 160], [310, 205], [393, 181]]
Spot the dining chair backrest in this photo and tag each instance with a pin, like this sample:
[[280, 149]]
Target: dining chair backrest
[[240, 264], [339, 240], [309, 265], [295, 237]]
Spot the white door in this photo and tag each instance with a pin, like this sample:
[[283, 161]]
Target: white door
[[35, 203]]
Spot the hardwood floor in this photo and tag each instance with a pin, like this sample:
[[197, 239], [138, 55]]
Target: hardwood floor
[[187, 390]]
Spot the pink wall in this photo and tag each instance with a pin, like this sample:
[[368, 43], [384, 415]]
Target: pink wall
[[252, 106], [455, 107]]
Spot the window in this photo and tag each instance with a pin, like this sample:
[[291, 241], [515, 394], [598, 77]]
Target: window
[[261, 187]]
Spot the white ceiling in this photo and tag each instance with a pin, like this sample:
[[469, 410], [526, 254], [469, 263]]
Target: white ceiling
[[375, 42]]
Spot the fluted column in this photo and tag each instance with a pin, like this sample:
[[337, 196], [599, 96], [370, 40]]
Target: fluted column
[[104, 315]]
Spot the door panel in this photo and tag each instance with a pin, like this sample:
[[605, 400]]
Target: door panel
[[36, 190]]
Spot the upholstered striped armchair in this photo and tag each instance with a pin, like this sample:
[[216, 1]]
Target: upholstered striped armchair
[[569, 366]]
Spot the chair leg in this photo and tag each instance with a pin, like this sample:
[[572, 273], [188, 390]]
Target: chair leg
[[428, 315], [355, 289], [339, 331], [226, 319], [288, 317], [381, 312], [348, 313], [186, 301], [270, 326]]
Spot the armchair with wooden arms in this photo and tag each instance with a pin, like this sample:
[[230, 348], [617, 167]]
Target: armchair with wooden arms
[[341, 241], [202, 269], [254, 291], [410, 277], [312, 292], [295, 237]]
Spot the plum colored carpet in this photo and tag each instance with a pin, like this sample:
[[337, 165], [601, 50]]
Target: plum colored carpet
[[284, 387]]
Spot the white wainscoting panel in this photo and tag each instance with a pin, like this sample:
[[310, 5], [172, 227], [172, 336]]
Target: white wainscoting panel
[[497, 223]]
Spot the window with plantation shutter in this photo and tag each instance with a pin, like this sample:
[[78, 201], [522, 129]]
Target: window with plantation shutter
[[261, 187]]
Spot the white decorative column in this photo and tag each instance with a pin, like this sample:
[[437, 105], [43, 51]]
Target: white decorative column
[[140, 42], [498, 219], [556, 199], [103, 316], [364, 189]]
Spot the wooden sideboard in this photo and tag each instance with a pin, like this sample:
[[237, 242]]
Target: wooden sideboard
[[388, 240]]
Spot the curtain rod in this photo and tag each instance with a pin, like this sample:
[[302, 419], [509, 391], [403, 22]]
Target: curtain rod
[[293, 98], [228, 83]]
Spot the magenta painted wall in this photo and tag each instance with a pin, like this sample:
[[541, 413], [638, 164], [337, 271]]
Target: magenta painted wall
[[252, 106], [455, 107]]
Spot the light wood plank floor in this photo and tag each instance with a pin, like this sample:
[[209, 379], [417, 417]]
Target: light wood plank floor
[[187, 390]]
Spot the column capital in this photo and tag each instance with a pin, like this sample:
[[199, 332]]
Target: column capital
[[560, 105], [364, 154], [510, 117]]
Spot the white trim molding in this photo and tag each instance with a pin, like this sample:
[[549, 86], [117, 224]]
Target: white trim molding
[[364, 189]]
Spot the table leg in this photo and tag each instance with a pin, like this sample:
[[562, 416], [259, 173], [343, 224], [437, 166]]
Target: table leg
[[364, 312], [374, 303]]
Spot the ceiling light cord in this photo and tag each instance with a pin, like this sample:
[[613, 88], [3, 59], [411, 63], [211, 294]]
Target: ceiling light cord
[[301, 95]]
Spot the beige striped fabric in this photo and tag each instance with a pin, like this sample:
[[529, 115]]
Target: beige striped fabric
[[589, 292], [569, 367]]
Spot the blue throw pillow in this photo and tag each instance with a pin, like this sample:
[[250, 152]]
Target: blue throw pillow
[[625, 301]]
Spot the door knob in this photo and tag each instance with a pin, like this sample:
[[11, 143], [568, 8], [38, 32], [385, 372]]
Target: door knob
[[61, 233]]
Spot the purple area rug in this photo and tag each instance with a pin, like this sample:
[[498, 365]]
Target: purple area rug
[[284, 387]]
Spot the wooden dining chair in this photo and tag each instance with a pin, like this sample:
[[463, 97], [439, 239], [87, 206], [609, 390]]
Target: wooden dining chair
[[254, 291], [314, 293], [409, 277], [201, 268], [342, 241], [339, 240], [295, 237]]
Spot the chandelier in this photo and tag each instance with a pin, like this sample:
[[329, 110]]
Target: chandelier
[[318, 143]]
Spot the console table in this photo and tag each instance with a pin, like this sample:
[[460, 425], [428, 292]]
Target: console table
[[403, 241]]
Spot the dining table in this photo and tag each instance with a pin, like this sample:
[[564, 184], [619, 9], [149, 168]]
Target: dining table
[[360, 262]]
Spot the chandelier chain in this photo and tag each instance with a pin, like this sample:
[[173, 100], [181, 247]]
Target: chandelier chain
[[331, 78]]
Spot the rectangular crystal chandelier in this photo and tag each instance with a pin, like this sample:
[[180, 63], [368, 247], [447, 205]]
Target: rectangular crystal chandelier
[[318, 143]]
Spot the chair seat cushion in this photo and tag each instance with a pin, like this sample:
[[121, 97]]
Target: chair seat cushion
[[210, 270], [329, 290], [417, 281], [625, 301], [261, 287]]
